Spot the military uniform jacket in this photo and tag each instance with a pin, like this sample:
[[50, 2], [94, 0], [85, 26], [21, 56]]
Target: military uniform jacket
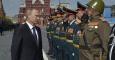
[[73, 30], [96, 34]]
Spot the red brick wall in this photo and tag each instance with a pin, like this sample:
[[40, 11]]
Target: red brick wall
[[39, 6]]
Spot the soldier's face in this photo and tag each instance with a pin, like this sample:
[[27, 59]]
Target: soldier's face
[[71, 17], [90, 11], [59, 18], [80, 13]]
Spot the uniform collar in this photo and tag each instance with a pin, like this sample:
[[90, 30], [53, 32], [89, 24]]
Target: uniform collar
[[72, 22]]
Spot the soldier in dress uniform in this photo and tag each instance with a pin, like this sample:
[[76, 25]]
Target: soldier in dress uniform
[[82, 20], [61, 34], [81, 16], [52, 33], [95, 33], [49, 29], [58, 27], [71, 35]]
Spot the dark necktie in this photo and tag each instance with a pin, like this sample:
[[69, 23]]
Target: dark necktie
[[34, 33]]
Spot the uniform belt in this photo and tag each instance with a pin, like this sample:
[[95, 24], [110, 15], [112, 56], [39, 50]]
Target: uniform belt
[[96, 46], [90, 46], [84, 47]]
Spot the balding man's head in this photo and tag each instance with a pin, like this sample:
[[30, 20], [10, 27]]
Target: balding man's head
[[30, 12], [32, 15]]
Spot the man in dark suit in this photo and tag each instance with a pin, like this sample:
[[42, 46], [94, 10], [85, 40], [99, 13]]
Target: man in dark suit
[[27, 39]]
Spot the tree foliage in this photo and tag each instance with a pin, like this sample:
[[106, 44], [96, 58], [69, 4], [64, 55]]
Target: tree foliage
[[5, 23]]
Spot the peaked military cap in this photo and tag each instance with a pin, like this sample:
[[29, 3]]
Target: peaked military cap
[[80, 6], [69, 11]]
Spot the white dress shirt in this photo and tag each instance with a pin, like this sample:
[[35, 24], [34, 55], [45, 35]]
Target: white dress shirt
[[31, 28]]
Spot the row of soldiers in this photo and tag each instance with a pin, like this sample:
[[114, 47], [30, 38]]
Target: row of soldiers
[[79, 35]]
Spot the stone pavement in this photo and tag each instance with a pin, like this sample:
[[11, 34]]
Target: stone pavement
[[45, 42], [5, 44]]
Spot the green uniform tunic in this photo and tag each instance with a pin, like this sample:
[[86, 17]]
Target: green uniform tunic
[[95, 39]]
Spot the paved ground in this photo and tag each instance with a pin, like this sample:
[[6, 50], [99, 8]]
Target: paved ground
[[5, 44], [45, 42]]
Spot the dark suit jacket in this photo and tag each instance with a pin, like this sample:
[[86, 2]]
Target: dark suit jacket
[[24, 47]]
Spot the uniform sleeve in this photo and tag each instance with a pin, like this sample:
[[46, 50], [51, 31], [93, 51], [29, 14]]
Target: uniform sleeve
[[16, 45], [104, 30]]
